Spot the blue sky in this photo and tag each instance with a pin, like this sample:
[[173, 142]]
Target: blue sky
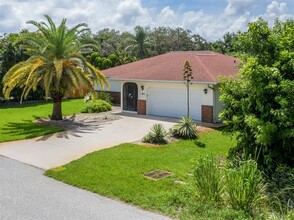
[[209, 18], [214, 6], [185, 5]]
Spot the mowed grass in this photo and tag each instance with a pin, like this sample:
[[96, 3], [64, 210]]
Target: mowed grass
[[16, 122], [118, 172]]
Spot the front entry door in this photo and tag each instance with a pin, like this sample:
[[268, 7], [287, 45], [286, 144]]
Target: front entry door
[[130, 96]]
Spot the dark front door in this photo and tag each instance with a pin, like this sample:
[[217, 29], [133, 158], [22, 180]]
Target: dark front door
[[130, 96]]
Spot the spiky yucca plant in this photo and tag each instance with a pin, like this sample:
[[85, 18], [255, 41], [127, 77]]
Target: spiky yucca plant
[[186, 128], [55, 63], [156, 135]]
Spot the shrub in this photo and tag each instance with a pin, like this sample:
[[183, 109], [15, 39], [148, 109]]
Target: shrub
[[186, 128], [245, 186], [239, 186], [104, 96], [282, 211], [96, 106], [156, 135], [281, 189], [207, 180], [98, 95], [259, 104]]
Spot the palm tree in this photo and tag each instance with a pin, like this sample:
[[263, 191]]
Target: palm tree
[[140, 42], [55, 63], [124, 58]]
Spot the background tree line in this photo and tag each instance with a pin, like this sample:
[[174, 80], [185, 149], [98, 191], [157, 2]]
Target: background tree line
[[112, 48]]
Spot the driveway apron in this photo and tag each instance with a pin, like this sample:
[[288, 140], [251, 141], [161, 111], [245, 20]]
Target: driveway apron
[[60, 148]]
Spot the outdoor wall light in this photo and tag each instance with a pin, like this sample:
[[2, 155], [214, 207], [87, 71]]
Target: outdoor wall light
[[205, 91], [142, 87]]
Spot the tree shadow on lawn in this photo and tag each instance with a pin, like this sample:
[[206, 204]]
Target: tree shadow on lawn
[[28, 104], [24, 105], [75, 132], [27, 129], [199, 144]]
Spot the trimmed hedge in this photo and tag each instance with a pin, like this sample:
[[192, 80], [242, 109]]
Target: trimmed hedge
[[96, 106]]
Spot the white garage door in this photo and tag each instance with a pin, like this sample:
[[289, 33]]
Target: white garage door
[[172, 102]]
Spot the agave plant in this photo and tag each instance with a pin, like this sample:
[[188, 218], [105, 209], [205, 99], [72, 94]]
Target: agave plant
[[186, 128], [156, 135]]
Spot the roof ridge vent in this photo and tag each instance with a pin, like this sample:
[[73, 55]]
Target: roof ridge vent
[[205, 54]]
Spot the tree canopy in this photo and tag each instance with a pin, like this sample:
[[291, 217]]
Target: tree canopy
[[260, 103]]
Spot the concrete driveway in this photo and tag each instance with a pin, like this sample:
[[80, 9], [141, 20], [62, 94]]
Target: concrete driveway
[[60, 148], [26, 194]]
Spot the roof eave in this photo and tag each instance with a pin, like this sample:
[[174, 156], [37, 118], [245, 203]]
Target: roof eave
[[161, 81]]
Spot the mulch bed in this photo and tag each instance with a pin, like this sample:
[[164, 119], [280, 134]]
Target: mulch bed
[[200, 129], [80, 120]]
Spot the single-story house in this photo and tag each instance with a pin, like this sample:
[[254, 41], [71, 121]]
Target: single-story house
[[155, 86]]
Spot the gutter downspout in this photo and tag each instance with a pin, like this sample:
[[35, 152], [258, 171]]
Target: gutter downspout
[[214, 102]]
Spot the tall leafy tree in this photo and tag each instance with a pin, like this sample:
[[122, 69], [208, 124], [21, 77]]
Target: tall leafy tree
[[55, 62], [166, 39], [225, 45], [161, 39], [10, 54], [124, 58], [260, 104], [139, 43], [109, 41], [199, 43]]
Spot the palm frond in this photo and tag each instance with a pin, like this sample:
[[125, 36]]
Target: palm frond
[[97, 75], [19, 75], [47, 80], [58, 64], [51, 23]]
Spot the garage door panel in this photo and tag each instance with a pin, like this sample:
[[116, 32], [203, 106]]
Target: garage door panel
[[172, 102]]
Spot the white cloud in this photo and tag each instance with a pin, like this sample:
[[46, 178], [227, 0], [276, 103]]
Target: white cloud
[[6, 23], [128, 11], [166, 16], [276, 8], [273, 11], [211, 28], [238, 6], [192, 18], [124, 15]]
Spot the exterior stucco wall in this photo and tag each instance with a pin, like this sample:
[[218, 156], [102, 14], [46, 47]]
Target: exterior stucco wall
[[197, 96], [114, 86], [206, 99], [176, 99]]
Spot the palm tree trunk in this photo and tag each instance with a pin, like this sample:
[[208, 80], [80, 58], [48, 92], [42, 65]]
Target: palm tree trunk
[[57, 112]]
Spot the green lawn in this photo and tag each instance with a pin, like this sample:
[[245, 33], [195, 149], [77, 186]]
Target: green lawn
[[16, 121], [118, 172]]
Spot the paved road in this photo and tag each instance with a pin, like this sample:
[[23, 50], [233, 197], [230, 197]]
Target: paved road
[[28, 195], [60, 148]]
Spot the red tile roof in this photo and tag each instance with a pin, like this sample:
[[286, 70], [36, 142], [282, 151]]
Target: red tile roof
[[206, 67]]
